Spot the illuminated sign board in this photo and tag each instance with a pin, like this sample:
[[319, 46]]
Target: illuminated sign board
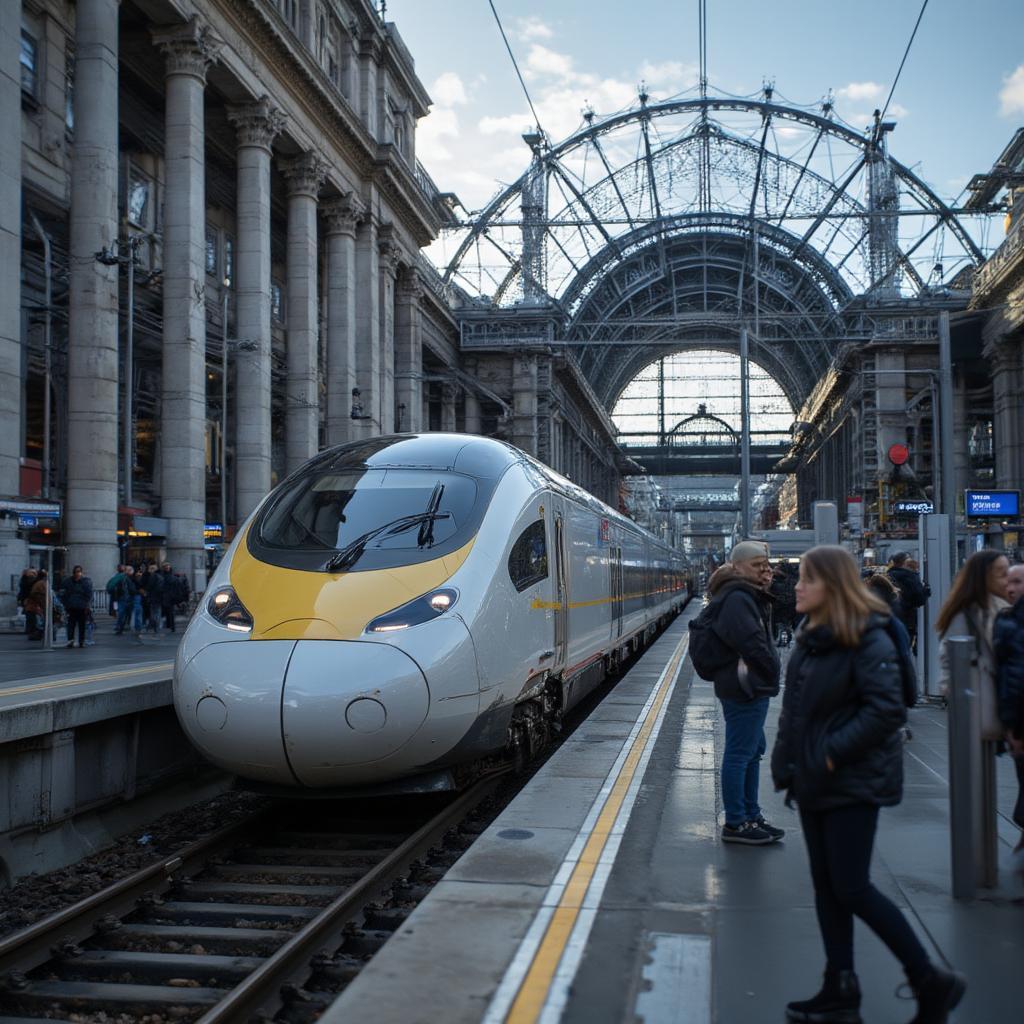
[[992, 504], [213, 531], [913, 508]]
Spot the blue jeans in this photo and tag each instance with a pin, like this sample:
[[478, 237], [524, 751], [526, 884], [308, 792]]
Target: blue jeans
[[130, 607], [741, 763]]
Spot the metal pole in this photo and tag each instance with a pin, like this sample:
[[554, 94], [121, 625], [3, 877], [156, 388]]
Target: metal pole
[[48, 614], [47, 357], [948, 478], [129, 372], [224, 415], [744, 434], [964, 769]]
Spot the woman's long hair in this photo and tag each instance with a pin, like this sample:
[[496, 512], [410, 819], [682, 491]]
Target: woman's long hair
[[848, 603], [969, 588], [883, 587]]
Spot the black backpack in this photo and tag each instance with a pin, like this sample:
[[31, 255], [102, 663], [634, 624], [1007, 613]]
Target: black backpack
[[708, 651], [908, 670]]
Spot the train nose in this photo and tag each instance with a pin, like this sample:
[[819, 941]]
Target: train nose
[[228, 699], [346, 703]]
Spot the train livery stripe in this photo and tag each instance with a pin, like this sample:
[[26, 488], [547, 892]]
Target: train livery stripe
[[539, 603], [536, 984], [159, 666]]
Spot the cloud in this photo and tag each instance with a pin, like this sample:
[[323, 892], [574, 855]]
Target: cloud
[[448, 90], [440, 123], [1011, 96], [532, 28], [542, 61], [858, 92], [671, 74], [514, 124]]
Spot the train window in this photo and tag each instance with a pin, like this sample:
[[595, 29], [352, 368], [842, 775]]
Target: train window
[[528, 560]]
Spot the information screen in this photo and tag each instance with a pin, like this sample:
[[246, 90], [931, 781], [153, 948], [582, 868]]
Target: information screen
[[992, 504]]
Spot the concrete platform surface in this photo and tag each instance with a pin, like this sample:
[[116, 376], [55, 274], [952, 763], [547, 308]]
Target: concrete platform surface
[[603, 893]]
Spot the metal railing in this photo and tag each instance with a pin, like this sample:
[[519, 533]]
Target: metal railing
[[1010, 252]]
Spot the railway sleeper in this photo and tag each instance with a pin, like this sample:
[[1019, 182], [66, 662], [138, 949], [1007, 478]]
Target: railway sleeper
[[169, 938], [240, 871], [244, 891], [305, 855], [114, 965], [382, 841], [41, 996], [186, 912]]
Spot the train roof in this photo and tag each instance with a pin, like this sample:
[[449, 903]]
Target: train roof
[[461, 453]]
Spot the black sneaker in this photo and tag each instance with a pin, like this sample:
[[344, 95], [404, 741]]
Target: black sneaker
[[749, 833], [775, 833]]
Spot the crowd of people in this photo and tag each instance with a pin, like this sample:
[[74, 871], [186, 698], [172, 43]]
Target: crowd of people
[[838, 751], [141, 597]]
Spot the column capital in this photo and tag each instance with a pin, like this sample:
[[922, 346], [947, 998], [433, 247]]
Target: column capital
[[189, 49], [257, 123], [390, 251], [344, 214], [305, 174], [371, 46], [410, 286]]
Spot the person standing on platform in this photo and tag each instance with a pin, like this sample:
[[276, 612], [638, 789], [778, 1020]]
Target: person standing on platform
[[76, 596], [35, 605], [977, 596], [150, 587], [28, 579], [129, 604], [914, 593], [170, 594], [839, 755], [1008, 641], [112, 587], [744, 683]]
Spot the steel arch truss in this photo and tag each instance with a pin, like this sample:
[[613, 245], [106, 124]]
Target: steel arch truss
[[673, 224]]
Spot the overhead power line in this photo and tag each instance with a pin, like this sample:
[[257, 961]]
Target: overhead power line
[[906, 53], [512, 57]]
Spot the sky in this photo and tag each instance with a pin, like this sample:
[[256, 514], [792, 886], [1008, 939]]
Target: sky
[[958, 101]]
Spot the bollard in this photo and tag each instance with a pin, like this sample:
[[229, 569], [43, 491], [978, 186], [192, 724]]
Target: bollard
[[972, 816], [964, 766]]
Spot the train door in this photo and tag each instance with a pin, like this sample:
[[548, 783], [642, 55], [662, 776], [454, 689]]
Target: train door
[[561, 592], [615, 556]]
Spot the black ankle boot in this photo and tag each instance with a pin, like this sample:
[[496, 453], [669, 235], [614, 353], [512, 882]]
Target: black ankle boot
[[937, 991], [838, 1002]]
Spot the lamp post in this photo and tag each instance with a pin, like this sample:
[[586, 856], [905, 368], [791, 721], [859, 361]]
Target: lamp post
[[224, 411]]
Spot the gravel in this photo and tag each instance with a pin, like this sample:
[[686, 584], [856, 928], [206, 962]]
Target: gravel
[[37, 896]]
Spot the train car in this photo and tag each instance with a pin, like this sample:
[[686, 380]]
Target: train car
[[403, 611]]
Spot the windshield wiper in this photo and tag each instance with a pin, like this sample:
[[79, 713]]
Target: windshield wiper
[[351, 553], [426, 534]]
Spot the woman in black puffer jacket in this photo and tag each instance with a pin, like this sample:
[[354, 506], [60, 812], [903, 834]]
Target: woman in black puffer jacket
[[839, 754]]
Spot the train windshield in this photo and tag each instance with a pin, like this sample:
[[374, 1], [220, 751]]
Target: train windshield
[[382, 511]]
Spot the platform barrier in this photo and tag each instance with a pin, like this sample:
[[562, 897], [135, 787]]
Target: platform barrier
[[972, 793]]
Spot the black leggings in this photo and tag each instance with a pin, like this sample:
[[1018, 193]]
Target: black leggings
[[76, 620], [839, 845]]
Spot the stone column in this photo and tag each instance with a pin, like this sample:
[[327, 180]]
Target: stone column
[[524, 402], [93, 434], [1008, 418], [368, 328], [473, 416], [409, 354], [13, 553], [257, 124], [305, 175], [341, 217], [189, 49], [369, 59], [449, 393], [388, 262]]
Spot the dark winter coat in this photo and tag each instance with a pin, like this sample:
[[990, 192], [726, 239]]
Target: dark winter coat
[[127, 588], [913, 594], [76, 595], [843, 703], [170, 590], [743, 624], [1008, 641], [150, 586], [25, 588]]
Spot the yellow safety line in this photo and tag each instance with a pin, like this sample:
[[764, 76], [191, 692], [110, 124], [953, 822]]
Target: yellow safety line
[[555, 605], [533, 992], [158, 666]]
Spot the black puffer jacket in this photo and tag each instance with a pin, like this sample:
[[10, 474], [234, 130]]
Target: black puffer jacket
[[843, 703], [913, 594], [1008, 641], [743, 624]]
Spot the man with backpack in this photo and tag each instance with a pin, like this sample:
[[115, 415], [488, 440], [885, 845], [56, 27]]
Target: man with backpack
[[914, 592], [731, 645]]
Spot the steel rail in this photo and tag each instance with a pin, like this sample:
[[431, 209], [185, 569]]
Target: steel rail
[[261, 987]]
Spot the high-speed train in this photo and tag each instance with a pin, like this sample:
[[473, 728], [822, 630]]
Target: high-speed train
[[405, 610]]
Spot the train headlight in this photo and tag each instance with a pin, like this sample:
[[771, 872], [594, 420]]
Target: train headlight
[[226, 608], [422, 609]]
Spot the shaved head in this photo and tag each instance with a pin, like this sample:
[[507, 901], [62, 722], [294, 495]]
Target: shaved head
[[1015, 583]]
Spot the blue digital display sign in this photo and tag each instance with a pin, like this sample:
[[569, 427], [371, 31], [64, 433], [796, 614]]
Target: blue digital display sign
[[992, 504]]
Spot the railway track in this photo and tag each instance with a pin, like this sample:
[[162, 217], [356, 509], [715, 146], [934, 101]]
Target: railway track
[[267, 919]]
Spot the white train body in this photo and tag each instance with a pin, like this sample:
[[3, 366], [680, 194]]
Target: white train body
[[421, 654]]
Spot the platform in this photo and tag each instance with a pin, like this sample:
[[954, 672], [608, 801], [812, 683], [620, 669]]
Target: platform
[[603, 893]]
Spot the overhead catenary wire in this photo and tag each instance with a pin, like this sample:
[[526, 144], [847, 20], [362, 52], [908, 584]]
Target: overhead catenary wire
[[906, 53], [519, 74]]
